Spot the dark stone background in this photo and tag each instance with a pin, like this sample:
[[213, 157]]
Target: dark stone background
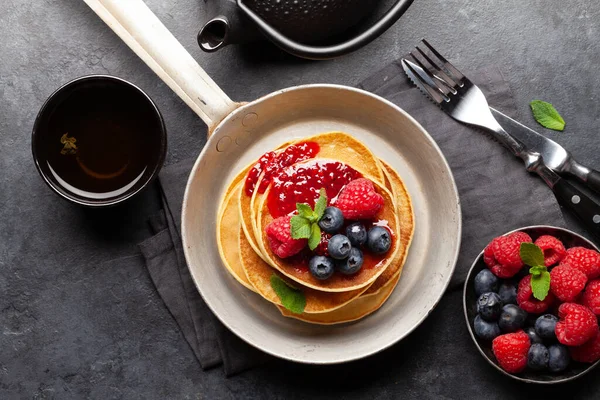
[[79, 317]]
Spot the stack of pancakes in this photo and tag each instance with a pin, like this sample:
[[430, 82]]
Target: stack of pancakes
[[246, 254]]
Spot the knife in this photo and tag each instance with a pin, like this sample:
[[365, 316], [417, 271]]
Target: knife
[[555, 156]]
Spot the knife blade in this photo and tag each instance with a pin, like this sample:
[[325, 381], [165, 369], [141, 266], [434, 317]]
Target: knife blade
[[555, 156]]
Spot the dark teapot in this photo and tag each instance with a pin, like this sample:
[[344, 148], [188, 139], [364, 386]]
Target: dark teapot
[[294, 24]]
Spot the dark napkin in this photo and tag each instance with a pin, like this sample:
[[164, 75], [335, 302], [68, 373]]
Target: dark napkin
[[497, 194]]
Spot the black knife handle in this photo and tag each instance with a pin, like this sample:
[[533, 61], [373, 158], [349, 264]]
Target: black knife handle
[[583, 206], [593, 180]]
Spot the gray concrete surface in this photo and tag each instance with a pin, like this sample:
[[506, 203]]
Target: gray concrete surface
[[79, 317]]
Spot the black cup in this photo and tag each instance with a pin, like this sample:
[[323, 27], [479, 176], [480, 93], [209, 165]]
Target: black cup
[[99, 140]]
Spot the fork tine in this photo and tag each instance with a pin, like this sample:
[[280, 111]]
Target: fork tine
[[451, 68], [426, 82], [447, 79], [446, 85]]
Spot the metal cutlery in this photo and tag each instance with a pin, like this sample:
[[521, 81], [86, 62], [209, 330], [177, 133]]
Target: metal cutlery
[[460, 98]]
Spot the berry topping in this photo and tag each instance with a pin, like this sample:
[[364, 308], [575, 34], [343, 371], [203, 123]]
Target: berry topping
[[379, 240], [508, 293], [567, 282], [339, 247], [321, 267], [559, 358], [545, 326], [280, 238], [591, 296], [332, 220], [577, 324], [485, 282], [359, 200], [538, 357], [484, 329], [321, 249], [526, 300], [489, 306], [533, 336], [357, 233], [589, 352], [352, 264], [554, 250], [512, 318], [502, 255], [586, 260], [511, 351]]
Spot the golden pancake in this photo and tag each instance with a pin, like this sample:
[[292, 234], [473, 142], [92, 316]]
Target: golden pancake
[[338, 282], [352, 311], [405, 213], [259, 273], [228, 238]]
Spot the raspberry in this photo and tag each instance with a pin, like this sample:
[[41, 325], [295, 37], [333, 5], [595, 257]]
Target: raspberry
[[584, 259], [529, 303], [502, 254], [589, 352], [511, 351], [554, 250], [577, 324], [280, 238], [359, 200], [321, 249], [591, 296], [567, 282]]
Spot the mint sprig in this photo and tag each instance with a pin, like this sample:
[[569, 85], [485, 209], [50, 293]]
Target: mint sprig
[[533, 256], [305, 225], [291, 298], [546, 115]]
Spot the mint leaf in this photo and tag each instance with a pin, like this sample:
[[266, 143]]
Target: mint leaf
[[546, 115], [321, 204], [531, 254], [537, 270], [540, 285], [291, 298], [300, 227], [315, 236], [304, 210]]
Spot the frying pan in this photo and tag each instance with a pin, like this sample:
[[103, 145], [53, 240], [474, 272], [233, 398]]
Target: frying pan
[[239, 133]]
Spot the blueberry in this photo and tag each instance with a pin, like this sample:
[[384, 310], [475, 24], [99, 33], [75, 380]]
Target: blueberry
[[379, 240], [321, 267], [357, 233], [352, 264], [332, 220], [545, 325], [489, 306], [486, 330], [538, 357], [533, 336], [508, 293], [339, 247], [485, 282], [559, 358], [512, 318]]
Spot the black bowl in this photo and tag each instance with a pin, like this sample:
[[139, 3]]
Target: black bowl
[[98, 141], [575, 369]]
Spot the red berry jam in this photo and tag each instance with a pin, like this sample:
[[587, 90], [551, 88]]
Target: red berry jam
[[272, 163], [302, 183]]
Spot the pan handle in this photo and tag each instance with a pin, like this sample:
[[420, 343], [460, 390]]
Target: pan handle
[[145, 34]]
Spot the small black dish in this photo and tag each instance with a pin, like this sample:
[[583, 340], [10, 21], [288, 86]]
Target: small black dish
[[98, 140], [576, 369]]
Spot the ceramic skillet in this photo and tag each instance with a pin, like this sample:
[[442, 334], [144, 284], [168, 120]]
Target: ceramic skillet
[[239, 133]]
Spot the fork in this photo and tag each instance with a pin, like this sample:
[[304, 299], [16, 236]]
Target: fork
[[460, 98]]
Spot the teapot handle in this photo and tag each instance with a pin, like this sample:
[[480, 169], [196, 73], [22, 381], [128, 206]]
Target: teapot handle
[[332, 51]]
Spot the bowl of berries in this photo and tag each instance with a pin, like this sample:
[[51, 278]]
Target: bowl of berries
[[532, 301]]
